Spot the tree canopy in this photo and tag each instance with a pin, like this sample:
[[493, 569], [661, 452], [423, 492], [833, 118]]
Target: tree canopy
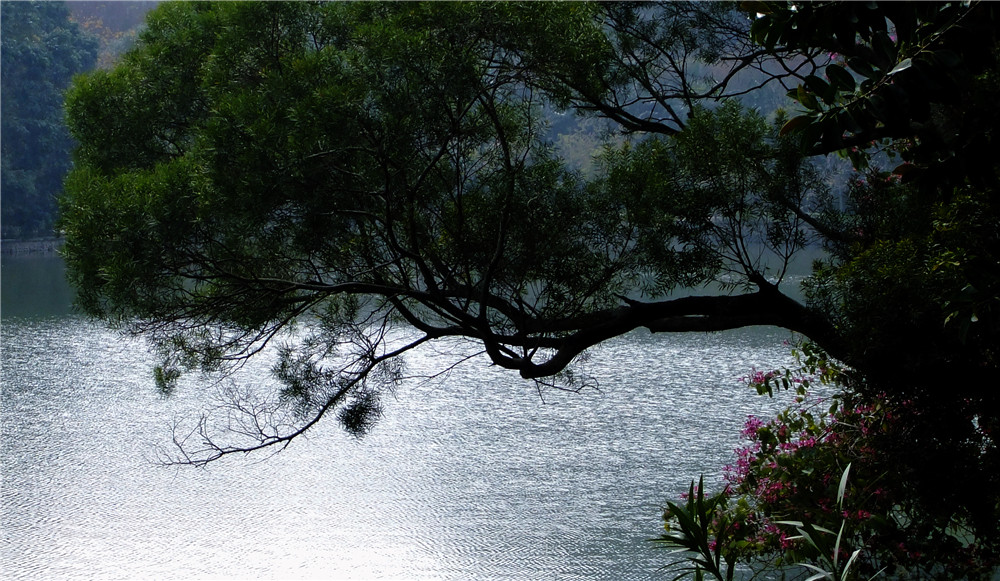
[[350, 169], [251, 164]]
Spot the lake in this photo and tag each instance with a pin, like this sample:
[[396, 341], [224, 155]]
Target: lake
[[471, 476]]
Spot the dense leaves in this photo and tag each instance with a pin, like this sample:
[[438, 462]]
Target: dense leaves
[[831, 485], [910, 284], [378, 176], [910, 71], [250, 165]]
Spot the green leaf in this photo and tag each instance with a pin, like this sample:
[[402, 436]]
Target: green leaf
[[862, 67], [759, 29], [807, 99], [902, 169], [795, 124], [884, 47], [902, 66], [836, 544], [821, 88], [847, 566], [841, 78], [774, 32], [843, 486], [820, 572]]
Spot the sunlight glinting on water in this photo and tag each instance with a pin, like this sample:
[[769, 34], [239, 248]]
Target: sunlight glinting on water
[[473, 475]]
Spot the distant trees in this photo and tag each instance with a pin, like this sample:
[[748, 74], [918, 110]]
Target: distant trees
[[43, 47], [42, 50], [114, 24]]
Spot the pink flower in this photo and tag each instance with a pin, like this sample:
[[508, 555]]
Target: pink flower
[[751, 426]]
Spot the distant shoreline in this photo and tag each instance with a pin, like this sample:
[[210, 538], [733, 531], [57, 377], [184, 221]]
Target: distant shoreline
[[31, 247]]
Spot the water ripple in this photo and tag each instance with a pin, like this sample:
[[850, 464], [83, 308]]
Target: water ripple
[[473, 476]]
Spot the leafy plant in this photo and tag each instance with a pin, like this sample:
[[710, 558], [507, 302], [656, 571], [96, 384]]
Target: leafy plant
[[694, 529], [834, 567], [787, 501]]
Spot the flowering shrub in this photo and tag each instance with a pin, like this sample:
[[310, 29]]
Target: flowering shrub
[[823, 486]]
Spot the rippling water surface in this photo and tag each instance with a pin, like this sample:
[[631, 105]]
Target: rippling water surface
[[471, 476]]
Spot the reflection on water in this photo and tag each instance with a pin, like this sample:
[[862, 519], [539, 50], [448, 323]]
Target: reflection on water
[[470, 477], [34, 286]]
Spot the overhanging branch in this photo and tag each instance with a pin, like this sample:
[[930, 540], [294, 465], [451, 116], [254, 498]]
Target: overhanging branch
[[687, 314]]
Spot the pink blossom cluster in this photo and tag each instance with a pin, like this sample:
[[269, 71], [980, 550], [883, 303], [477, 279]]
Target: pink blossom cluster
[[791, 468], [758, 377]]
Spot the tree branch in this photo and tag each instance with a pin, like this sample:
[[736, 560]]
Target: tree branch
[[768, 306]]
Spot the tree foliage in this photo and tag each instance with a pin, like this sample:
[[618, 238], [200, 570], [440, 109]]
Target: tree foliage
[[251, 165], [42, 50], [350, 170], [910, 284]]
